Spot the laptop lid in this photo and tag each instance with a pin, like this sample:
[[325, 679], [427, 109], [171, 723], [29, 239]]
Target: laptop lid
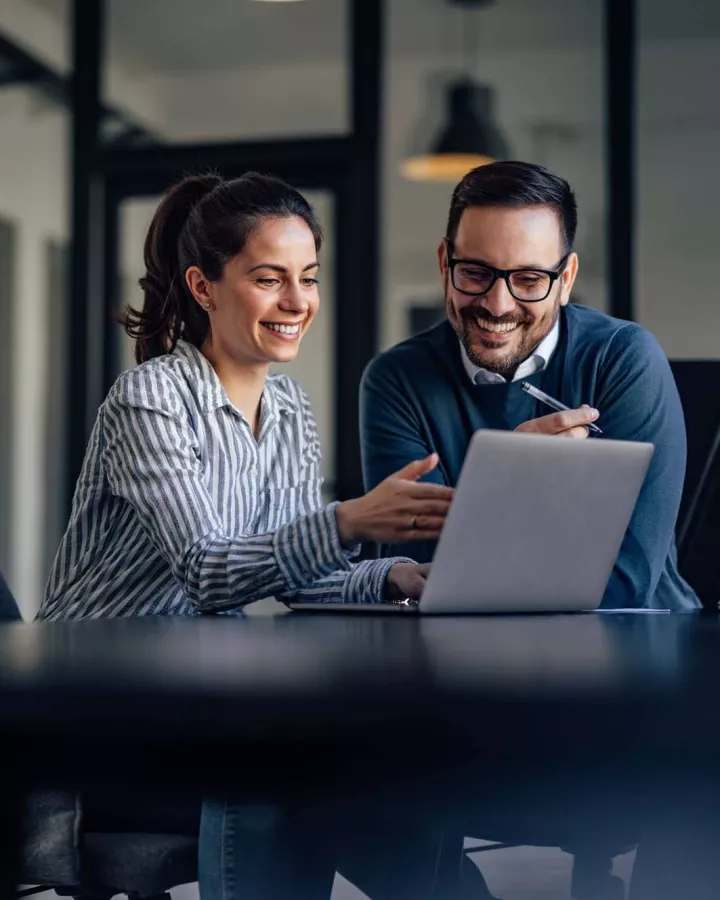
[[536, 523]]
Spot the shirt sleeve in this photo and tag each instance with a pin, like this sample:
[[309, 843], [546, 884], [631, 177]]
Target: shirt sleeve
[[363, 582], [151, 456], [638, 401], [391, 438]]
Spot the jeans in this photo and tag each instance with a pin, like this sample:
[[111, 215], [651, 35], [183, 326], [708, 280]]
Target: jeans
[[262, 853], [387, 851]]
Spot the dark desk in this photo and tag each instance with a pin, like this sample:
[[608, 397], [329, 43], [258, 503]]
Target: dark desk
[[321, 704], [347, 684]]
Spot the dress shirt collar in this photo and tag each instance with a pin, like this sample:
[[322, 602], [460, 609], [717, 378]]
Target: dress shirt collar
[[212, 395]]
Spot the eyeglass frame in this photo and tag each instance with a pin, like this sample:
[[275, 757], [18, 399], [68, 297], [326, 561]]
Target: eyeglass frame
[[505, 274]]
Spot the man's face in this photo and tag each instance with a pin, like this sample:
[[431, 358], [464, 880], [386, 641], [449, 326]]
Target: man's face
[[497, 331]]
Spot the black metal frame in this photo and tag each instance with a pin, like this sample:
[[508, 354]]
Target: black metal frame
[[8, 281], [620, 90], [103, 176], [21, 67], [18, 66], [86, 214]]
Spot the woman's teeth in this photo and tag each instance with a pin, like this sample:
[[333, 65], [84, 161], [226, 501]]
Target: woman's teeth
[[282, 329]]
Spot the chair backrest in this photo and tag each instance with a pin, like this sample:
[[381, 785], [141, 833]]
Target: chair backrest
[[9, 611], [698, 556], [698, 382], [698, 527]]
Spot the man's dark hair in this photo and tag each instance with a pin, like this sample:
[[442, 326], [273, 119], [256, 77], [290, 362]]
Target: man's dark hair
[[515, 184]]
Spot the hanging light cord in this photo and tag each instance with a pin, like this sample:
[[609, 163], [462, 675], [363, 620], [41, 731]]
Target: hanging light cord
[[469, 40]]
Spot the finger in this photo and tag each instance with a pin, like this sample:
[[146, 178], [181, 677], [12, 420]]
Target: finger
[[415, 587], [580, 433], [572, 418], [430, 508], [416, 469], [560, 421], [427, 523], [425, 491], [422, 529], [411, 535]]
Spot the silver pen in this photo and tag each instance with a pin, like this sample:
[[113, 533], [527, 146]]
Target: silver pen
[[552, 402]]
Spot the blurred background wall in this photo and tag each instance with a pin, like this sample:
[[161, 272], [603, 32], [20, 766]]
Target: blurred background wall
[[177, 73]]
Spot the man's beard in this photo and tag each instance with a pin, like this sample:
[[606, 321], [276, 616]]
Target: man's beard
[[506, 364]]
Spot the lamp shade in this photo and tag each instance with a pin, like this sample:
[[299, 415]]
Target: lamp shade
[[468, 138]]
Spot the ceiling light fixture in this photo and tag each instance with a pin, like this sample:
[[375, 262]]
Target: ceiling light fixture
[[469, 137]]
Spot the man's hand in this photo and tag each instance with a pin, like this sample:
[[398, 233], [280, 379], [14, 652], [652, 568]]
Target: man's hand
[[406, 581], [568, 423]]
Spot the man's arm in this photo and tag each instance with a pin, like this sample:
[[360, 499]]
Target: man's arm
[[391, 437], [638, 401]]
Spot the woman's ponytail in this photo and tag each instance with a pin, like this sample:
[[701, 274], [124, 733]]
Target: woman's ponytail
[[169, 311]]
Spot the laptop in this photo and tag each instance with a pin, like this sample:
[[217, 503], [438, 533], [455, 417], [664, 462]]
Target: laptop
[[535, 526]]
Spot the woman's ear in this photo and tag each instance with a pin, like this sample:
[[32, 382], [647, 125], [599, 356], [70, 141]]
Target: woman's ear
[[200, 287]]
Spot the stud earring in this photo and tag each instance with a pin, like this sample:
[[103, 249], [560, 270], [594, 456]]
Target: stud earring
[[206, 306]]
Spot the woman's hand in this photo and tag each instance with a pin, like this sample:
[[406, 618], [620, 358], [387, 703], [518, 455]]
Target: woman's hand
[[406, 581], [398, 509]]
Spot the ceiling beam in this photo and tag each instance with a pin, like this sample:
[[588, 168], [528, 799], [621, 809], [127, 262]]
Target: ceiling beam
[[151, 170], [17, 66], [20, 67]]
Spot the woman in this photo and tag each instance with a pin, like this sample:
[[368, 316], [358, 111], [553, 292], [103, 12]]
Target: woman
[[200, 490]]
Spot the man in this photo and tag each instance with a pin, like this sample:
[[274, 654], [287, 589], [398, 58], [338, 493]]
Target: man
[[507, 266]]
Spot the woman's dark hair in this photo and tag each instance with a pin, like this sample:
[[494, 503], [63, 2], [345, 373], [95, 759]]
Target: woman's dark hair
[[515, 184], [202, 221]]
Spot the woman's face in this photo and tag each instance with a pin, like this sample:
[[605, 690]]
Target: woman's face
[[267, 297]]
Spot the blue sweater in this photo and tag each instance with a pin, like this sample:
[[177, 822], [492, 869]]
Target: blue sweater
[[418, 398]]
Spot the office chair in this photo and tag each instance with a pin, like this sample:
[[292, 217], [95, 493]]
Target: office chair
[[698, 539], [142, 866], [58, 853], [698, 383], [698, 526]]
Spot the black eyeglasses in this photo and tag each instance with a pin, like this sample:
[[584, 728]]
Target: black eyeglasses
[[476, 278]]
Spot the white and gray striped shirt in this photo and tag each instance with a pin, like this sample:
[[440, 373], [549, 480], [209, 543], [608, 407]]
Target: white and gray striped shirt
[[180, 510]]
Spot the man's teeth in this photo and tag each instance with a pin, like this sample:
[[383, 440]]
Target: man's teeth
[[499, 329], [283, 329]]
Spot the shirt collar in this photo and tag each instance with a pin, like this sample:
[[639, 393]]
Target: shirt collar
[[536, 362], [211, 394]]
